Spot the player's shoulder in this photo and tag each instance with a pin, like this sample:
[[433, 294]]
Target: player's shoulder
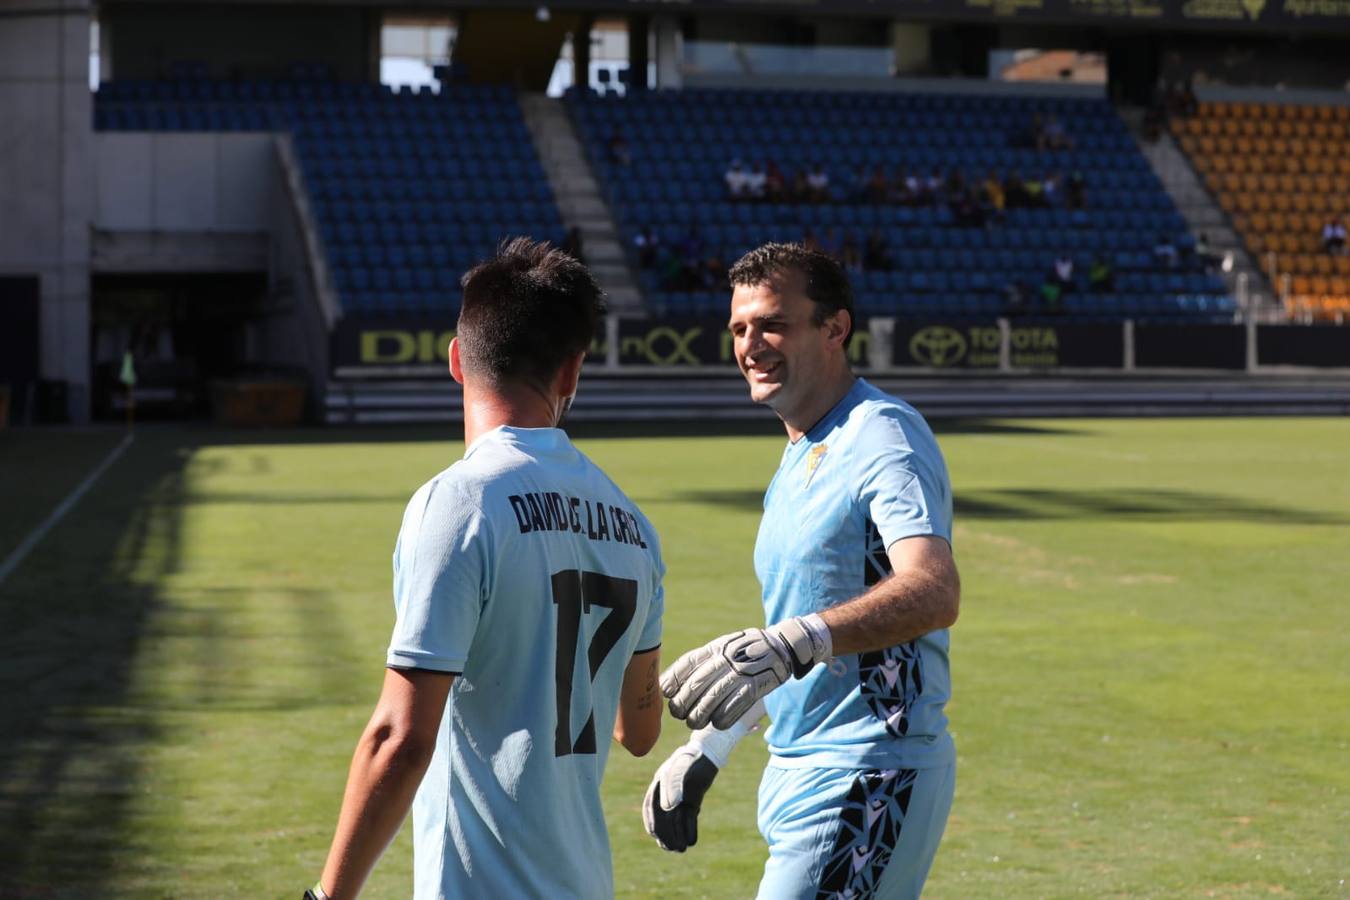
[[879, 418], [622, 499]]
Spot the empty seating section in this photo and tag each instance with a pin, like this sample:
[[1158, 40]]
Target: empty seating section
[[1281, 171], [409, 188], [681, 143]]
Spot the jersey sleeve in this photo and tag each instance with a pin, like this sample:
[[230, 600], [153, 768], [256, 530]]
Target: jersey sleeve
[[903, 485], [441, 565], [650, 638]]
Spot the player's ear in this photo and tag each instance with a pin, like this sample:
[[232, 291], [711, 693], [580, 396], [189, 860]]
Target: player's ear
[[837, 326], [569, 374], [456, 364]]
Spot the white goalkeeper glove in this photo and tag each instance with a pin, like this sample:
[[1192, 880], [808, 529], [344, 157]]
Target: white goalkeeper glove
[[670, 809], [719, 681]]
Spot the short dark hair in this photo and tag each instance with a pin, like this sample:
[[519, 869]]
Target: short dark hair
[[826, 282], [526, 310]]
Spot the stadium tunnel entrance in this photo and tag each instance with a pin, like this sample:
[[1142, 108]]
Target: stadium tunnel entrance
[[183, 332]]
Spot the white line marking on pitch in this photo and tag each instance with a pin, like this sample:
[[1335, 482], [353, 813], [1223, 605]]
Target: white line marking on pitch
[[37, 534]]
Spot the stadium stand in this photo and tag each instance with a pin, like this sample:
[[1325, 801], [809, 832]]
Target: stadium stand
[[409, 188], [1282, 173], [666, 183]]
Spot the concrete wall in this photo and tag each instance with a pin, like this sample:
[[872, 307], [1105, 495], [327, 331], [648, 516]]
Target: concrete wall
[[257, 41], [46, 174], [163, 181]]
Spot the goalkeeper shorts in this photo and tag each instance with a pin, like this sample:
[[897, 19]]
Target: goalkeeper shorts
[[846, 833]]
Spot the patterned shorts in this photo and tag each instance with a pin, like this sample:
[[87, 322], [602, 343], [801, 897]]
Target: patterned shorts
[[841, 834]]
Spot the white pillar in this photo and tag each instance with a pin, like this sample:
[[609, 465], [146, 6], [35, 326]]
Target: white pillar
[[46, 129], [669, 46]]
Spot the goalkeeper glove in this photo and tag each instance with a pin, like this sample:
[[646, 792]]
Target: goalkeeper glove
[[719, 681], [670, 809]]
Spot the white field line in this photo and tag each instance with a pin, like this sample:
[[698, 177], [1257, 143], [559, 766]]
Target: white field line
[[37, 534]]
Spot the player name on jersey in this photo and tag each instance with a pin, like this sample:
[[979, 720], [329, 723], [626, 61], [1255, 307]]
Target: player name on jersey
[[552, 511]]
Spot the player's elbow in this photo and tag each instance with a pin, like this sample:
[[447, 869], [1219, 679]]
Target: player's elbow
[[396, 746], [638, 741], [950, 608]]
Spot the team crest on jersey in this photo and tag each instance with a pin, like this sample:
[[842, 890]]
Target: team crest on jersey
[[813, 461]]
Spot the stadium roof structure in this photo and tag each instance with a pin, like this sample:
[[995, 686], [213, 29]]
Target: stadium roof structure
[[1269, 18]]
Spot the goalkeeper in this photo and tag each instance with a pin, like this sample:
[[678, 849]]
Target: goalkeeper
[[859, 588]]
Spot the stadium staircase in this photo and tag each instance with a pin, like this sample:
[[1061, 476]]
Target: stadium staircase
[[579, 199], [1281, 170], [1204, 216]]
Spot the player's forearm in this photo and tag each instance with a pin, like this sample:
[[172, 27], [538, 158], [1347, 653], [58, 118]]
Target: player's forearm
[[385, 773], [898, 609]]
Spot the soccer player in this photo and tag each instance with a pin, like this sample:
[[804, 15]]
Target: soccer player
[[859, 588], [528, 596]]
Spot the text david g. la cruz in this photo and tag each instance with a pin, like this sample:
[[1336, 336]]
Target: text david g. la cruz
[[551, 511]]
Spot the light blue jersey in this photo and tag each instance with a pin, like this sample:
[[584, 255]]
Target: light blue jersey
[[868, 474], [526, 571]]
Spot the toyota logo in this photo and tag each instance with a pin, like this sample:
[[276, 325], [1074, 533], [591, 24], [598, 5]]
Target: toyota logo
[[938, 346]]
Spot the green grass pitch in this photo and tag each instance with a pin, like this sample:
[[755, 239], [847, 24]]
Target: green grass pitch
[[1152, 667]]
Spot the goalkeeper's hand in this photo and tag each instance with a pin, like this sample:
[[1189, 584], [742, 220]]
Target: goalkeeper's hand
[[670, 809], [719, 681]]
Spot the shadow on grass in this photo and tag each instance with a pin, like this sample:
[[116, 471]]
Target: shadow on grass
[[758, 422], [71, 739], [1042, 505]]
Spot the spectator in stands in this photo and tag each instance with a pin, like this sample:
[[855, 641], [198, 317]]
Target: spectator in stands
[[1016, 298], [1054, 137], [715, 273], [1062, 272], [967, 211], [571, 244], [1101, 278], [1035, 192], [800, 191], [994, 196], [757, 183], [876, 255], [1038, 139], [647, 244], [878, 187], [1165, 252], [850, 254], [1333, 236], [932, 187], [810, 241], [736, 179], [619, 154], [1050, 189], [1181, 101], [775, 185], [955, 185], [1075, 194], [818, 184], [912, 192], [691, 259], [1052, 294], [1015, 191], [1205, 254]]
